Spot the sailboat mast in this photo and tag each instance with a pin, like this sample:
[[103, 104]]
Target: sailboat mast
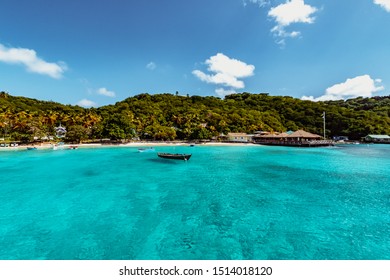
[[323, 116]]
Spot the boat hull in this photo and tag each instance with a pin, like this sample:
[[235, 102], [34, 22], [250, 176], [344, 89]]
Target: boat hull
[[174, 156]]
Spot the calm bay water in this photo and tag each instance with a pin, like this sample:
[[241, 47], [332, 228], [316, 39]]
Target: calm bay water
[[249, 202]]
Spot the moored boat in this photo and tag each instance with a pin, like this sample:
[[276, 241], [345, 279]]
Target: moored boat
[[174, 156], [150, 149], [31, 148], [58, 146]]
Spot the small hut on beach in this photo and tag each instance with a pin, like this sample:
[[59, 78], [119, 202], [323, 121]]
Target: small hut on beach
[[301, 135], [239, 137]]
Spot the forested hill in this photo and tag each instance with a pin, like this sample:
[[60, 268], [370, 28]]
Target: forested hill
[[172, 116]]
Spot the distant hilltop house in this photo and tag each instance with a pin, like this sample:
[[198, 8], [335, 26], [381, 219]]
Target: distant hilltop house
[[60, 131], [371, 138]]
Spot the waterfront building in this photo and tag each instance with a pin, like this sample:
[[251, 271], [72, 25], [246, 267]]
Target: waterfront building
[[239, 137], [299, 138], [371, 138]]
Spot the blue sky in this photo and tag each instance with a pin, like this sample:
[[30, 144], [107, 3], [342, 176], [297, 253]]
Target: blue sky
[[94, 53]]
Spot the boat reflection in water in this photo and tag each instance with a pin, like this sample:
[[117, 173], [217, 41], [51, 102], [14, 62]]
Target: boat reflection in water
[[174, 156]]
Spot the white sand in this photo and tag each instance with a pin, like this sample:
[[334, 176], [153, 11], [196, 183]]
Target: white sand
[[131, 144]]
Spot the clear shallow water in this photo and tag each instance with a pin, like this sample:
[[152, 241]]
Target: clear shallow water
[[251, 202]]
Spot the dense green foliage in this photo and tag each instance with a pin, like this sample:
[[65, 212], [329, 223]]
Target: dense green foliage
[[168, 117]]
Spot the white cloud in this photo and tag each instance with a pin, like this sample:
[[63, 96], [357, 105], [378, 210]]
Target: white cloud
[[219, 79], [86, 103], [384, 4], [223, 92], [293, 11], [105, 92], [225, 71], [363, 86], [151, 65], [31, 61], [261, 3]]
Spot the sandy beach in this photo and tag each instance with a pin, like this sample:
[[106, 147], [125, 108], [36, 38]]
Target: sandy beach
[[46, 146]]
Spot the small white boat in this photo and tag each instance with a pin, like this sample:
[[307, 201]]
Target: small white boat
[[58, 146], [147, 150]]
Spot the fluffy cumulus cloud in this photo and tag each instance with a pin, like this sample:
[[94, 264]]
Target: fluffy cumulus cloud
[[293, 11], [226, 72], [363, 86], [151, 65], [105, 92], [384, 4], [86, 103], [29, 59]]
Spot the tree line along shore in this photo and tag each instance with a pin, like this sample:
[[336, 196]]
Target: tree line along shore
[[168, 117]]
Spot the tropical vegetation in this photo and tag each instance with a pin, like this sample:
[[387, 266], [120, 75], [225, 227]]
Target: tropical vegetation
[[175, 117]]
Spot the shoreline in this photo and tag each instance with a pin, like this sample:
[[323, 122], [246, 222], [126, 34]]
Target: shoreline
[[46, 146], [138, 144]]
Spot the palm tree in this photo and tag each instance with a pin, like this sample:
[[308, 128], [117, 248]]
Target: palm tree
[[6, 121]]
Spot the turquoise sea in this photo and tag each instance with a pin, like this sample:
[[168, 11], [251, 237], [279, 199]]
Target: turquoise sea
[[246, 202]]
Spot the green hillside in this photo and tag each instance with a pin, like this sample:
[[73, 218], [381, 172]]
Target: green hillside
[[171, 116]]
